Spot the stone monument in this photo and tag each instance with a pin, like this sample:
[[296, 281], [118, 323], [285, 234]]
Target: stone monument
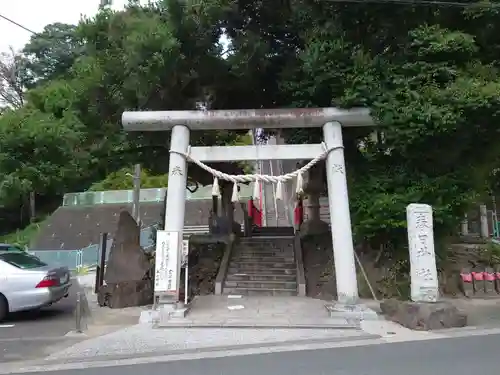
[[424, 277], [424, 311], [128, 275]]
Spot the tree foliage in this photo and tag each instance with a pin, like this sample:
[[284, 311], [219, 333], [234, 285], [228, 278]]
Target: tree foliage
[[429, 73], [433, 90], [123, 180]]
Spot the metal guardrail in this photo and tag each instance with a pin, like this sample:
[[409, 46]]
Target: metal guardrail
[[88, 257], [90, 198]]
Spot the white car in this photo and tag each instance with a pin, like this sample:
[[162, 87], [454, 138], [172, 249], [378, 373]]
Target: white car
[[27, 283]]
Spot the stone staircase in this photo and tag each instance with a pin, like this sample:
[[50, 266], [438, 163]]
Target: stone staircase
[[262, 266]]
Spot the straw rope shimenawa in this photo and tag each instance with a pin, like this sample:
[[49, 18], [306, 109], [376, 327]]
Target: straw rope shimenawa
[[258, 178]]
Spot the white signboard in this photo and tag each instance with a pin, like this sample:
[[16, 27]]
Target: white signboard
[[424, 277], [167, 262], [185, 264]]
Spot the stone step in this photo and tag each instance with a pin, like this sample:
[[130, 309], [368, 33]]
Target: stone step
[[262, 258], [265, 248], [268, 254], [274, 244], [261, 264], [260, 292], [271, 240], [258, 250], [261, 271], [261, 284], [266, 242], [270, 230], [259, 277]]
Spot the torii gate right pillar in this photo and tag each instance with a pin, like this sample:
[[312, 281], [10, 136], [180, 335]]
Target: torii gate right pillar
[[340, 217]]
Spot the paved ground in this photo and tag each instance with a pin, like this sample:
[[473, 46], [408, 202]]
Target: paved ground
[[37, 334], [481, 312], [457, 356], [143, 340], [30, 334], [239, 311]]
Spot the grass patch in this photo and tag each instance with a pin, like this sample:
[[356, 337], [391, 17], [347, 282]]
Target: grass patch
[[22, 237]]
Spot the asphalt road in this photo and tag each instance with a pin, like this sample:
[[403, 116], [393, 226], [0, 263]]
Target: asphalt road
[[30, 334], [457, 356]]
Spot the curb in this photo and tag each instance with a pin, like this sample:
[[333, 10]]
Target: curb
[[203, 350], [347, 326]]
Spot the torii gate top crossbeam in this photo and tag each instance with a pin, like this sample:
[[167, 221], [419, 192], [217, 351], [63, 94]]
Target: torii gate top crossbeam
[[245, 118]]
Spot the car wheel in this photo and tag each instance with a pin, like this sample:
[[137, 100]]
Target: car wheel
[[4, 307]]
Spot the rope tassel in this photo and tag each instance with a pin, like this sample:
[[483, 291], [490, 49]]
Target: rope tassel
[[300, 184], [236, 195], [216, 188], [279, 191], [256, 189]]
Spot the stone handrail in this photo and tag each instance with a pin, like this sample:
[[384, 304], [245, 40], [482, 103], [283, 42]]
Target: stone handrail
[[299, 261], [224, 265]]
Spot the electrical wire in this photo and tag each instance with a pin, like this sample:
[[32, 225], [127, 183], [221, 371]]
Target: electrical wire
[[17, 24]]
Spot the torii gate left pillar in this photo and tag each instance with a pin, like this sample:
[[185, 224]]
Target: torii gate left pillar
[[330, 119]]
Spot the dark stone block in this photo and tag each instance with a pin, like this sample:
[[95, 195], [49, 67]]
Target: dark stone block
[[127, 261], [423, 316], [126, 294]]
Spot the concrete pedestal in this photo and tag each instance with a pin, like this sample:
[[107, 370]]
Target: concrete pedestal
[[313, 228], [355, 311]]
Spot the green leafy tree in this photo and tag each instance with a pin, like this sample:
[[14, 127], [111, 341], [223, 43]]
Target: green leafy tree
[[160, 56], [33, 156], [123, 180], [433, 93], [429, 74], [51, 53]]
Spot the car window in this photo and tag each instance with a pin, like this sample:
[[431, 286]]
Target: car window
[[10, 248], [22, 260]]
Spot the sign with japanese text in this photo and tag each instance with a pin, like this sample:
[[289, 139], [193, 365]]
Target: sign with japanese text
[[167, 265], [423, 271]]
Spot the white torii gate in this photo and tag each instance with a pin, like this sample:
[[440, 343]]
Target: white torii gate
[[330, 119]]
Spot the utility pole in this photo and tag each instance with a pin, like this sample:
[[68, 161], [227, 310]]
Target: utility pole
[[32, 206], [137, 193]]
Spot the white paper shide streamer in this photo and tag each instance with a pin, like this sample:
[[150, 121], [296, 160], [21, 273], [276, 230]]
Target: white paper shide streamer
[[279, 191], [235, 197], [300, 184], [256, 190], [216, 188]]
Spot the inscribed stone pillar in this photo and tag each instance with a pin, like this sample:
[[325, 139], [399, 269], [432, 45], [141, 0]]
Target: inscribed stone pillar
[[227, 211], [314, 207], [314, 186], [423, 271], [464, 226], [483, 213]]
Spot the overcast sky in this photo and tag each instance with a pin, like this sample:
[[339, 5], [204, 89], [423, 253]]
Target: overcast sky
[[35, 14]]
